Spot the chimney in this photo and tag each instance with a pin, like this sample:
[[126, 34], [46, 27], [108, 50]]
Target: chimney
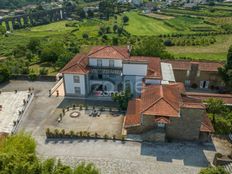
[[129, 47]]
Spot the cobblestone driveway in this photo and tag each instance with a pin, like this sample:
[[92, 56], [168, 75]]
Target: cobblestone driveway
[[131, 157]]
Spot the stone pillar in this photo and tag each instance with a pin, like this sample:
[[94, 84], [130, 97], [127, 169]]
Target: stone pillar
[[31, 20], [7, 25], [19, 22], [25, 20]]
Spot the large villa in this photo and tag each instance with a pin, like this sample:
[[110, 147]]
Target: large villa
[[161, 107]]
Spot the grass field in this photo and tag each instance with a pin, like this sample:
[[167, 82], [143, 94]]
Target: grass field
[[138, 25], [216, 52], [142, 25]]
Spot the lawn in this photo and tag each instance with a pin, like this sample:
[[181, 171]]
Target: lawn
[[142, 25], [216, 51]]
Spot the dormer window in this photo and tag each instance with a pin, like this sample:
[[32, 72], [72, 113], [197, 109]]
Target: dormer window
[[99, 62]]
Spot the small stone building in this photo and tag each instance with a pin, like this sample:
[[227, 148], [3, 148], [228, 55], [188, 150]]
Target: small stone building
[[203, 75], [165, 111]]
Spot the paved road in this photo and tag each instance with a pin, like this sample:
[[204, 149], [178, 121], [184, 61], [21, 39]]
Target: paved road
[[110, 157]]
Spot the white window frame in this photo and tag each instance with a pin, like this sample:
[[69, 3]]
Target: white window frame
[[99, 62], [77, 89], [76, 79], [111, 63]]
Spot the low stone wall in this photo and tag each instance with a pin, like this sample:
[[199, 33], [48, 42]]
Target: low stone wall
[[35, 78]]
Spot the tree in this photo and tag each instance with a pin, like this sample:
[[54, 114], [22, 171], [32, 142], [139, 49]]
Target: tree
[[226, 71], [213, 170], [18, 156], [90, 13], [34, 45], [125, 19], [2, 30], [115, 41], [51, 51], [115, 28], [148, 47], [122, 98], [4, 74], [85, 36]]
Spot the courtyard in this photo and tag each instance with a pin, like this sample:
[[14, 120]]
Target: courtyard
[[109, 156], [102, 121]]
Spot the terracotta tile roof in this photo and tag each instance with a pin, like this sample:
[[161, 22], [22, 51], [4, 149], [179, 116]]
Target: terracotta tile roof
[[206, 125], [109, 52], [191, 102], [157, 100], [78, 65], [133, 114], [154, 66], [226, 98], [163, 120], [162, 100], [186, 65]]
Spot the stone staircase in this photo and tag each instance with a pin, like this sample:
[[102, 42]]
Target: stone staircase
[[228, 167]]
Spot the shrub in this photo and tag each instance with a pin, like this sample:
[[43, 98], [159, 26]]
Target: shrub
[[80, 107], [43, 71], [32, 76], [168, 43], [194, 86]]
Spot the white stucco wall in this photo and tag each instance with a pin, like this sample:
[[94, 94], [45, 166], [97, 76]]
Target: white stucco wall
[[153, 82], [69, 84], [135, 69]]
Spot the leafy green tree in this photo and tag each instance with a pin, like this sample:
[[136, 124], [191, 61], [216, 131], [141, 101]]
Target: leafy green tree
[[85, 36], [34, 45], [51, 51], [64, 58], [125, 19], [115, 41], [18, 156], [226, 71], [4, 74], [2, 30], [122, 98], [213, 170], [148, 47], [115, 28]]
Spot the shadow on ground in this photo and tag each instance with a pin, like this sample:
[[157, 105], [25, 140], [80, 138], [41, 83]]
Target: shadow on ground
[[69, 102], [192, 154]]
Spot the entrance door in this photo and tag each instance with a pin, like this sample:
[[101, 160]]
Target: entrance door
[[204, 84]]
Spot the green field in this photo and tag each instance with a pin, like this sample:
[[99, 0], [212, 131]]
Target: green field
[[138, 25], [216, 52], [141, 25]]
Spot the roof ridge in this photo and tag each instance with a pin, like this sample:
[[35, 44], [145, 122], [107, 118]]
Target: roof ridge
[[151, 104], [101, 48], [170, 104], [118, 51]]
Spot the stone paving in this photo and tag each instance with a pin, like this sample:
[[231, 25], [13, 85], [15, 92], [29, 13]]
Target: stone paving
[[130, 157], [11, 103]]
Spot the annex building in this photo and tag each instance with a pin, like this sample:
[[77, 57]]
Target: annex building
[[161, 108]]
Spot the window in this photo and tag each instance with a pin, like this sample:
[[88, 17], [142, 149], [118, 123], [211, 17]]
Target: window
[[188, 73], [76, 79], [187, 82], [111, 63], [204, 84], [198, 73], [99, 62], [77, 90]]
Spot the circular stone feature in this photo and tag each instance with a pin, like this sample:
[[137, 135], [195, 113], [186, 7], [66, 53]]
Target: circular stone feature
[[75, 114]]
